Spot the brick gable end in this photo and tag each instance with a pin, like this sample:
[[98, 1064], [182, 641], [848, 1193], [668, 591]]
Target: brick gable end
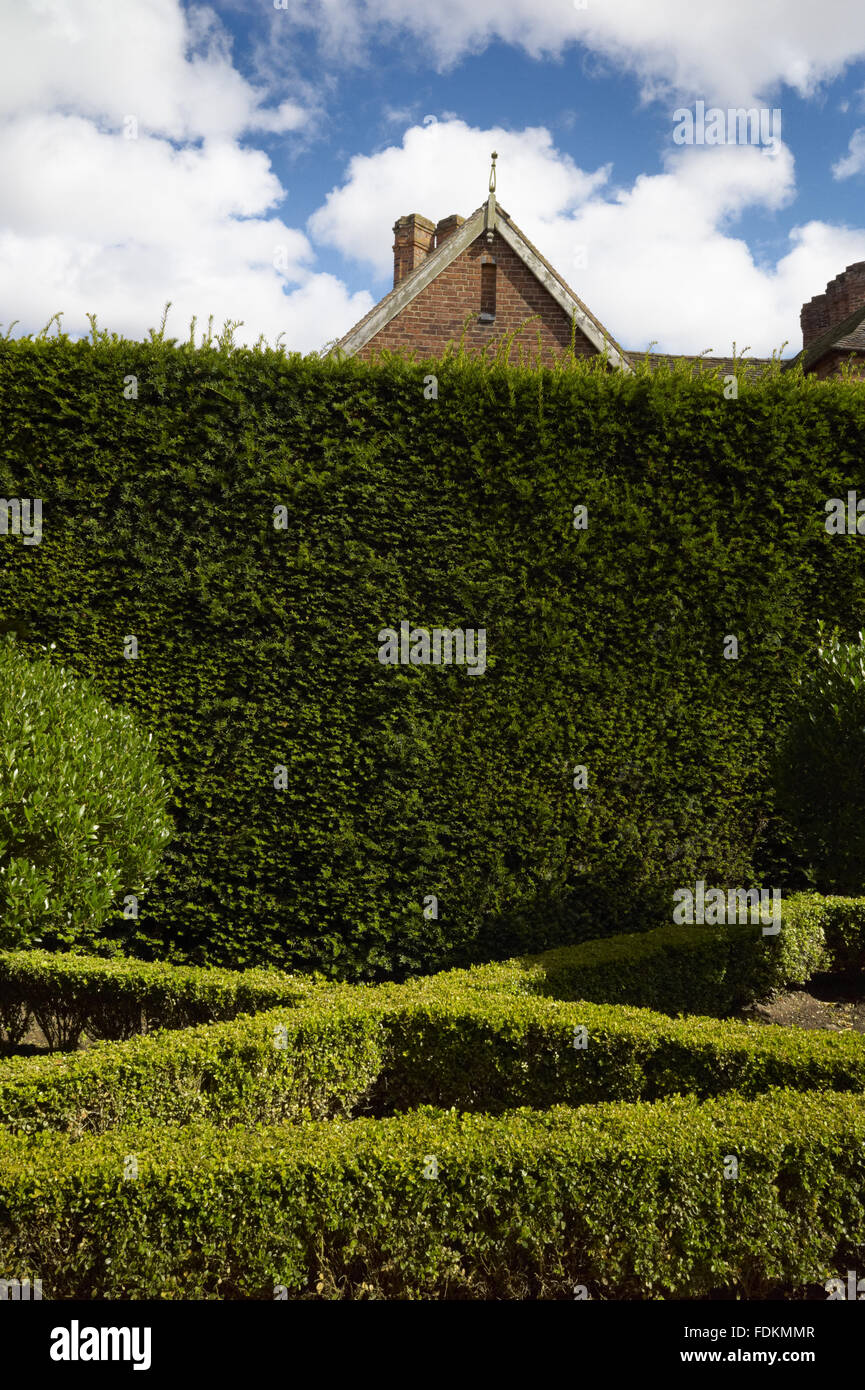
[[436, 315]]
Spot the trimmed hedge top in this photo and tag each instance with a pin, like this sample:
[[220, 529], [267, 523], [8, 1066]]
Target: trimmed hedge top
[[626, 1200], [151, 1167], [488, 1038], [71, 995]]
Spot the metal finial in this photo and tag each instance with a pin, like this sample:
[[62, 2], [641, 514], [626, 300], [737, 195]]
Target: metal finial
[[493, 173]]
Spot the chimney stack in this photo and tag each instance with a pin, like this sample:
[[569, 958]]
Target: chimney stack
[[843, 294], [446, 226], [412, 241]]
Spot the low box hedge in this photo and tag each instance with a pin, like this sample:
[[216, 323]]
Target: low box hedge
[[840, 921], [620, 1201], [70, 995], [267, 1067], [454, 1047], [376, 1049], [694, 970], [673, 969]]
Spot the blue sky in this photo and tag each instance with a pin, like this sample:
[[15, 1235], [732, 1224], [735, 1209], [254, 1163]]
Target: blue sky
[[249, 161]]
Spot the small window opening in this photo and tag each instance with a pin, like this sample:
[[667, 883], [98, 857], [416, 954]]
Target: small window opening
[[488, 290]]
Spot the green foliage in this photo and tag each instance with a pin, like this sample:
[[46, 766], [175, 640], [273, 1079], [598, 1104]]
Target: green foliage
[[590, 1165], [491, 1037], [454, 1048], [696, 970], [821, 764], [674, 969], [233, 1073], [629, 1200], [257, 646], [82, 804], [73, 995], [678, 970], [835, 925]]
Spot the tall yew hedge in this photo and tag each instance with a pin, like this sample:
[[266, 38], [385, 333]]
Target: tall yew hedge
[[258, 647]]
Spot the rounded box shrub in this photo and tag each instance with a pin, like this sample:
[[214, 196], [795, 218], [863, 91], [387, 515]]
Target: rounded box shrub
[[82, 804]]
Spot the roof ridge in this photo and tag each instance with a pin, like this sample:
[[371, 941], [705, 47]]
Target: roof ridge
[[564, 284]]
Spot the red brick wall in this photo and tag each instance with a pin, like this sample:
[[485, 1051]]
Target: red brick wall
[[435, 316], [842, 295]]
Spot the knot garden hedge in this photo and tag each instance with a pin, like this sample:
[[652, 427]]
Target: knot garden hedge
[[484, 1133]]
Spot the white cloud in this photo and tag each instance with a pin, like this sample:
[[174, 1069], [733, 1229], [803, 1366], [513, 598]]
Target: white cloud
[[104, 60], [92, 221], [726, 53], [854, 162], [660, 260], [442, 167]]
